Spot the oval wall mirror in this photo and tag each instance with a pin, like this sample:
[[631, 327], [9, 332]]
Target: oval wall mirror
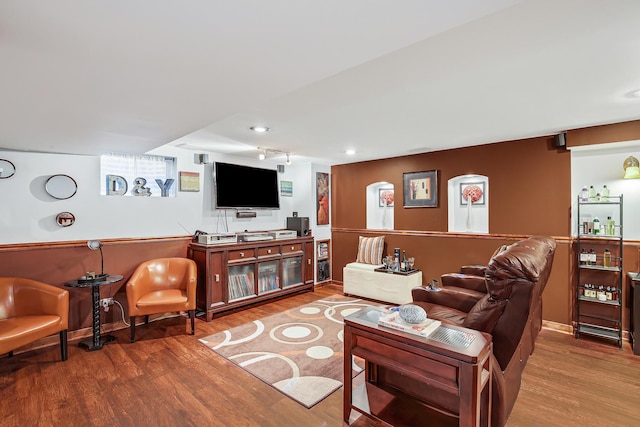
[[7, 169], [61, 186]]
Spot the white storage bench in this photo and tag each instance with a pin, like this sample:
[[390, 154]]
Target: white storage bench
[[361, 280]]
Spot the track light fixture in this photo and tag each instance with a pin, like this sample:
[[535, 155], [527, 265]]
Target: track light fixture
[[264, 152]]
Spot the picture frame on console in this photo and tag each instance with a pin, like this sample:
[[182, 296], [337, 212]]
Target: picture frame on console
[[420, 189]]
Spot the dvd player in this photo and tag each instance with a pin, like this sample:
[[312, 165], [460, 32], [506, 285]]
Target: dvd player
[[284, 234], [217, 238]]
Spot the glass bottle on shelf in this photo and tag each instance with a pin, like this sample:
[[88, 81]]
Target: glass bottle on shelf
[[592, 194], [611, 226], [596, 225], [604, 194], [584, 194], [606, 259], [584, 257]]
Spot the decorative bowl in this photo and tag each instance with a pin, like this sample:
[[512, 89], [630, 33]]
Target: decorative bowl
[[412, 313]]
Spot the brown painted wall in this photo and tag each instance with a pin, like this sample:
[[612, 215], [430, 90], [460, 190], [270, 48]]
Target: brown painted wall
[[530, 187], [529, 184], [56, 263]]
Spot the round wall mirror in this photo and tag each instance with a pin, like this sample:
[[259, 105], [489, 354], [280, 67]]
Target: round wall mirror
[[7, 169], [61, 186]]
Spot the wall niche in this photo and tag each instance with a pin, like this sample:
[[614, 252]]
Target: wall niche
[[380, 206], [469, 204]]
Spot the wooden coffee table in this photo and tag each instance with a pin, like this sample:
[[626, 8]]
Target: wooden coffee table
[[409, 380]]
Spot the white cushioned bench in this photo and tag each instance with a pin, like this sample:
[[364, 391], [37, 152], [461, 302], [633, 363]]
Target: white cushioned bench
[[361, 280]]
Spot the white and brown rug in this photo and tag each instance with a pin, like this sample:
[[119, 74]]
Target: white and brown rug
[[299, 352]]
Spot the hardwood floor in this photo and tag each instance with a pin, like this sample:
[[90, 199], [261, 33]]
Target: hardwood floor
[[168, 378]]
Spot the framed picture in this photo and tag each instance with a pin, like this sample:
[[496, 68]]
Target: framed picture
[[322, 197], [420, 189], [190, 181], [475, 190], [286, 188], [385, 197]]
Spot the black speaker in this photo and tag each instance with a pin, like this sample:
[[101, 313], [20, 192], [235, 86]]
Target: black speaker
[[300, 224], [561, 140]]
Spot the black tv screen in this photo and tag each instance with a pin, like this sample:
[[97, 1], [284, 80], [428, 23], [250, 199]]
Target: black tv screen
[[238, 186]]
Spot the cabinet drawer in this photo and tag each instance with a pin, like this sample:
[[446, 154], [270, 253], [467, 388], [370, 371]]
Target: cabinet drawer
[[269, 251], [242, 254], [287, 249]]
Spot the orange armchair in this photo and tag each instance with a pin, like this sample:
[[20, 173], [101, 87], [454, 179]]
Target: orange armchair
[[162, 285], [31, 310]]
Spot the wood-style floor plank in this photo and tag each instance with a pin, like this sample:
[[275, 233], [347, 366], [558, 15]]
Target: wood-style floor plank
[[168, 378]]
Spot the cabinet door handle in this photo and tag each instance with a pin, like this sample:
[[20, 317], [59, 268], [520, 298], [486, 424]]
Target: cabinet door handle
[[268, 251], [293, 247], [241, 254], [217, 277], [309, 261]]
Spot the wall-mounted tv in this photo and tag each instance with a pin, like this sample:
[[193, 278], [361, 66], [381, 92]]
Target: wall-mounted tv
[[245, 187]]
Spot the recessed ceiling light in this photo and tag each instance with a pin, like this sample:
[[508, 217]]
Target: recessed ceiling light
[[350, 152], [635, 93], [260, 129]]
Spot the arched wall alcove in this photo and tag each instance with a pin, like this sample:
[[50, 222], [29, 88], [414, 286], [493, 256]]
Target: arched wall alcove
[[462, 217], [380, 205]]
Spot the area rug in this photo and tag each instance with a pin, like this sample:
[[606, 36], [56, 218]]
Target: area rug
[[299, 352]]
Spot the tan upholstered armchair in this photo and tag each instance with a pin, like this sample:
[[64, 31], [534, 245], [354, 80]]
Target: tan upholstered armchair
[[31, 310], [162, 285]]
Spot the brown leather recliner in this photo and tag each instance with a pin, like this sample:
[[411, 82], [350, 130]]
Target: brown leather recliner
[[470, 276], [31, 310], [162, 285], [510, 311]]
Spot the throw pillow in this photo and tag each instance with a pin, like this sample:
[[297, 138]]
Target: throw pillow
[[370, 250]]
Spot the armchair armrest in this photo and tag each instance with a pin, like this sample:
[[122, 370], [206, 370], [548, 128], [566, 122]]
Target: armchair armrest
[[474, 270], [459, 299], [467, 281]]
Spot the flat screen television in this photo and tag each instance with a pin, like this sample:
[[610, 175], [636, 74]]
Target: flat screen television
[[245, 187]]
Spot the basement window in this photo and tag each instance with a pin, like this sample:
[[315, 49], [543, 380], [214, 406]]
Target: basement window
[[138, 175]]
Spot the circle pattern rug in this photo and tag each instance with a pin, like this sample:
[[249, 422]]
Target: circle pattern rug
[[299, 352]]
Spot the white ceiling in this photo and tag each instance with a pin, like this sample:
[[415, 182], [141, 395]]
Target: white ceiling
[[384, 77]]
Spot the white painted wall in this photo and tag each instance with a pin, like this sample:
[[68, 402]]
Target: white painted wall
[[600, 165], [27, 212]]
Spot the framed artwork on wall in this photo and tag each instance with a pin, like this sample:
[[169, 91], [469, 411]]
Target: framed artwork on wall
[[322, 198], [190, 181], [473, 190], [420, 189], [385, 197], [286, 188]]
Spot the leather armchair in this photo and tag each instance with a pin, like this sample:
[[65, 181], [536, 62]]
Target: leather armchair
[[31, 310], [162, 285], [470, 276], [510, 311]]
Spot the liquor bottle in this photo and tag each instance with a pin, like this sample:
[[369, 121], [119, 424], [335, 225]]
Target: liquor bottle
[[396, 259], [584, 256], [609, 293], [604, 194], [606, 259], [403, 265], [592, 257], [592, 194]]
